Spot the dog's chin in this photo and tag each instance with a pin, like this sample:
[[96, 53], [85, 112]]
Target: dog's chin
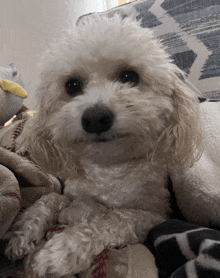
[[112, 151], [105, 150]]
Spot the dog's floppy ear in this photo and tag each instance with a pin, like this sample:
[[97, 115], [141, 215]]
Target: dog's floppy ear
[[180, 144]]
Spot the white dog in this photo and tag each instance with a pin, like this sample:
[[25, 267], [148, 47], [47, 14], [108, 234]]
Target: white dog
[[114, 117]]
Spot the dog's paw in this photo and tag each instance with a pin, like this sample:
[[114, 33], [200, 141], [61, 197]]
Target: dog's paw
[[19, 246], [69, 252]]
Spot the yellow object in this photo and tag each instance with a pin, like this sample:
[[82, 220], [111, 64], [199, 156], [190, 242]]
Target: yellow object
[[122, 2], [13, 88]]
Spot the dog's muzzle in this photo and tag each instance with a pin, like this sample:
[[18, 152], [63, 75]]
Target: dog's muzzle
[[97, 119]]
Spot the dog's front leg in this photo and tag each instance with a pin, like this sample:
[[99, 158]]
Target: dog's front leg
[[136, 224], [74, 250], [31, 226]]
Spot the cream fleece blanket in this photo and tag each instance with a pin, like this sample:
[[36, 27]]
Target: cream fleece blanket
[[21, 181], [198, 189]]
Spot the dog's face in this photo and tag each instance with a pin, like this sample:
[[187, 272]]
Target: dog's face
[[108, 90]]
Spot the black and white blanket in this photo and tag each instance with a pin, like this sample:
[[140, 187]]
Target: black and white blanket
[[184, 250]]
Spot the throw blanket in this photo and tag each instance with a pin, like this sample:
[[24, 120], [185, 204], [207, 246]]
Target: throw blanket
[[184, 250], [21, 181]]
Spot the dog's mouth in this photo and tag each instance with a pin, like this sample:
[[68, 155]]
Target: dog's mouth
[[98, 140], [105, 139]]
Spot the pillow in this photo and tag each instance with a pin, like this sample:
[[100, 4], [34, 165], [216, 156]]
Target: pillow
[[190, 31]]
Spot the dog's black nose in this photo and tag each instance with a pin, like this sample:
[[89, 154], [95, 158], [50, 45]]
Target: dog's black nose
[[97, 119]]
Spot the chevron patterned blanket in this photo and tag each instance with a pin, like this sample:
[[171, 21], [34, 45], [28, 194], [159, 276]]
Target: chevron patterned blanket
[[190, 32]]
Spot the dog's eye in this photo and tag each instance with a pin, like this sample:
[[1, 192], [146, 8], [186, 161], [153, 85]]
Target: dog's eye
[[73, 87], [129, 76]]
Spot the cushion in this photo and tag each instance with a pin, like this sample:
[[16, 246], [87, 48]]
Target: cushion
[[189, 29]]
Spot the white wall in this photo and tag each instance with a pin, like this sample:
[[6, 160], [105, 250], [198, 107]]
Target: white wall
[[27, 27]]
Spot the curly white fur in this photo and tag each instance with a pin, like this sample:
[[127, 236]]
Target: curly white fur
[[116, 179]]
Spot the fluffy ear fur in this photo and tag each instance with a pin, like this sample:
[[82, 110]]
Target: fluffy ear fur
[[46, 152], [180, 144]]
